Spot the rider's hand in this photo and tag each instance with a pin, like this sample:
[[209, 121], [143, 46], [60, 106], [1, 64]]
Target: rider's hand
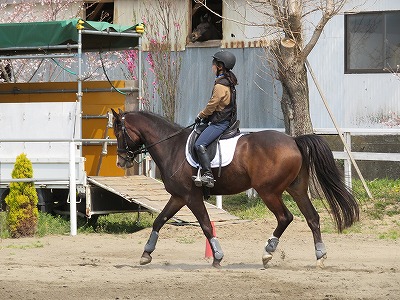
[[197, 120]]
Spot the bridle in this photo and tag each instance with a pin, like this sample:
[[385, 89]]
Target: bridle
[[130, 155]]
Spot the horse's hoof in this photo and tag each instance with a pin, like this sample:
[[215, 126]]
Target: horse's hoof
[[320, 262], [145, 259], [266, 258], [217, 263]]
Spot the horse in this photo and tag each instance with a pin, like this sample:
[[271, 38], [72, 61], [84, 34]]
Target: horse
[[268, 161], [205, 30]]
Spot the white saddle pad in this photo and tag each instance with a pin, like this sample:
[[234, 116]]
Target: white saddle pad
[[228, 147]]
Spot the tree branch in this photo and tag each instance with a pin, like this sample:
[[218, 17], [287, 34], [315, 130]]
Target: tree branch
[[314, 38], [331, 9]]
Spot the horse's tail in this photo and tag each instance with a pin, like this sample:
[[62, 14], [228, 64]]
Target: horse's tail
[[319, 160]]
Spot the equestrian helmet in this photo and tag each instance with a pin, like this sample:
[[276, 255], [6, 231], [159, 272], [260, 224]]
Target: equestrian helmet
[[225, 57]]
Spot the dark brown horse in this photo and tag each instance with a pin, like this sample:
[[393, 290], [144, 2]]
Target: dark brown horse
[[269, 161], [205, 30]]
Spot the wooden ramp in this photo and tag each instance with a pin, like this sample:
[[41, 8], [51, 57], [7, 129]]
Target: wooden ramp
[[151, 194]]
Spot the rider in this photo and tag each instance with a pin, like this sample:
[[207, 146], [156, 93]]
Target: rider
[[220, 111]]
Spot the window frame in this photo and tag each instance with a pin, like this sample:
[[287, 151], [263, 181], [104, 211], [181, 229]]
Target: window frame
[[347, 69], [98, 2], [205, 44]]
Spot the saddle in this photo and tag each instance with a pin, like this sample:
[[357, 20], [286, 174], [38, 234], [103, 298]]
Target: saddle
[[230, 132]]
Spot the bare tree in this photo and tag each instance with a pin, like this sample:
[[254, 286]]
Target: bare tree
[[291, 37], [163, 32], [290, 54]]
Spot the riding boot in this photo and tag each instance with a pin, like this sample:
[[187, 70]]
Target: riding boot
[[207, 178]]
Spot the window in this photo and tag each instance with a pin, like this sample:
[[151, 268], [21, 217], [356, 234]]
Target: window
[[205, 24], [372, 42], [99, 11]]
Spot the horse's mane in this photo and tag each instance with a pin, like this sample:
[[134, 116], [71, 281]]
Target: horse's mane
[[164, 125]]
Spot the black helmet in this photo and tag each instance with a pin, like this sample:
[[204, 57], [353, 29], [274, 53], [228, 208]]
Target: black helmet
[[226, 57]]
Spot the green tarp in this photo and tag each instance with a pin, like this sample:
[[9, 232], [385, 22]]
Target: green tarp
[[44, 34]]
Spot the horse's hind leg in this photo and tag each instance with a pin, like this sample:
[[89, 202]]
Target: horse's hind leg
[[299, 195], [284, 218], [173, 206]]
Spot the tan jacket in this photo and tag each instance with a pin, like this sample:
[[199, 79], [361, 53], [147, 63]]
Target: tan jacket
[[221, 97]]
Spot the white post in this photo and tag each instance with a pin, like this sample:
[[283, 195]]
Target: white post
[[153, 169], [218, 202], [72, 189], [140, 171], [347, 162]]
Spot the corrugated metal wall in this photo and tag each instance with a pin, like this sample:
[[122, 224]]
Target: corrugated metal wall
[[256, 93], [357, 100]]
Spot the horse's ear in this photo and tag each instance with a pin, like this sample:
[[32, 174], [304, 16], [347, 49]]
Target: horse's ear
[[116, 115]]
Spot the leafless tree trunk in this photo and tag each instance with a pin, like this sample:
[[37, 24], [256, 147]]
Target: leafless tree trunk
[[289, 51]]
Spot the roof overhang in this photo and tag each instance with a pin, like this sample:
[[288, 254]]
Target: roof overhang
[[59, 36]]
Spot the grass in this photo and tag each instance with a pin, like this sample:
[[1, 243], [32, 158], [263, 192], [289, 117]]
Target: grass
[[384, 205], [386, 200], [49, 224], [123, 223], [36, 244], [384, 209], [3, 230]]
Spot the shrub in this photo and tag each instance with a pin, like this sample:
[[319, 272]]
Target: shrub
[[22, 212]]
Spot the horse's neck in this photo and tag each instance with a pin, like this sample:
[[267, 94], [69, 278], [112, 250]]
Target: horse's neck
[[154, 131], [164, 148]]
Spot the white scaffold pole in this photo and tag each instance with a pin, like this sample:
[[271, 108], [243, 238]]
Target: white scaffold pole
[[72, 189], [218, 202]]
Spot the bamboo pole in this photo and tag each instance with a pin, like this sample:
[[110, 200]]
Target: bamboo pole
[[339, 131]]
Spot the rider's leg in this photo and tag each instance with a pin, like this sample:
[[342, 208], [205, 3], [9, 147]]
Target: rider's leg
[[206, 138], [207, 178]]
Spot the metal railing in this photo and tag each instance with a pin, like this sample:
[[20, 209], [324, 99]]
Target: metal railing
[[343, 155], [72, 179], [150, 166]]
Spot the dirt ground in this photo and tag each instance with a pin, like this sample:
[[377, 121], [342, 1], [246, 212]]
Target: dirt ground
[[93, 266]]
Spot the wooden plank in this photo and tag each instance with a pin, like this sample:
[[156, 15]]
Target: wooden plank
[[151, 194]]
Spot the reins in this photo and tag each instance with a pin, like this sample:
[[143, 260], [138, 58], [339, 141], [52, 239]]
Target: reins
[[130, 155]]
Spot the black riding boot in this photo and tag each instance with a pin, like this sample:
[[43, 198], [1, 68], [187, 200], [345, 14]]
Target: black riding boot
[[207, 178]]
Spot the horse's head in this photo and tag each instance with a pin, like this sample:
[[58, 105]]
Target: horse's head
[[128, 141], [205, 30]]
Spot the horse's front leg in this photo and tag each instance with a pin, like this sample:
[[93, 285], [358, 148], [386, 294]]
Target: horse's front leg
[[173, 206], [198, 208]]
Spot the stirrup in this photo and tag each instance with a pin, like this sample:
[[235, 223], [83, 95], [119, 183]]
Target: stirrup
[[207, 180], [197, 179]]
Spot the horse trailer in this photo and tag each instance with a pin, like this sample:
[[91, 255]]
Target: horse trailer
[[48, 121]]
